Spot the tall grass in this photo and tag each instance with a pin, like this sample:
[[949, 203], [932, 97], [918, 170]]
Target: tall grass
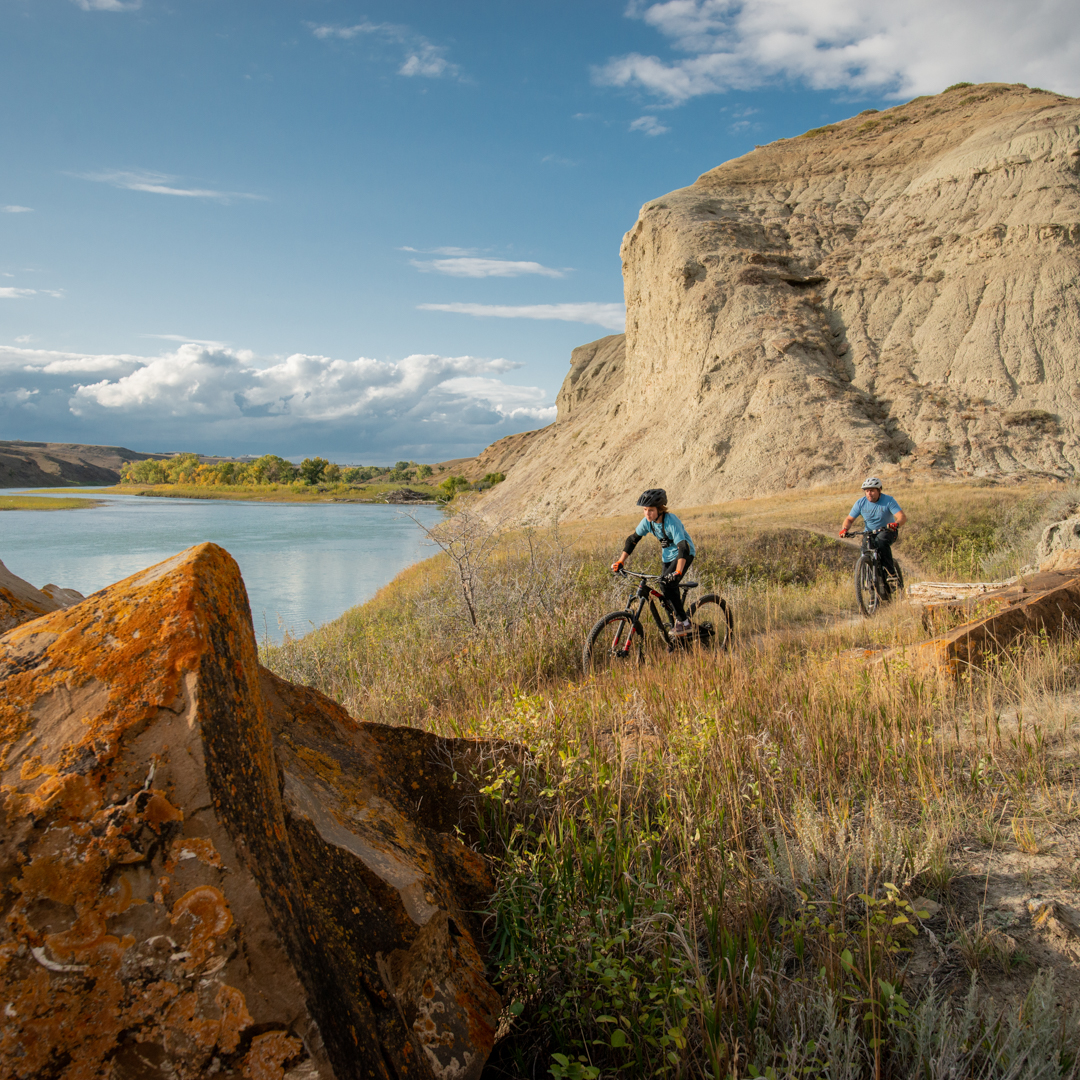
[[707, 866]]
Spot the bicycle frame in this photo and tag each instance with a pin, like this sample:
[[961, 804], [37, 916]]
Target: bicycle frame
[[646, 594]]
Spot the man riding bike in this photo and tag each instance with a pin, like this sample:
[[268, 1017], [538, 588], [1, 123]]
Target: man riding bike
[[879, 512], [676, 554]]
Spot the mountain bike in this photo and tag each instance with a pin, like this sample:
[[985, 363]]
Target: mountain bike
[[872, 584], [619, 637]]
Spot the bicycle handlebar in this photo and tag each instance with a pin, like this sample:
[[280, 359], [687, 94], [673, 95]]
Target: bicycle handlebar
[[866, 532], [644, 577]]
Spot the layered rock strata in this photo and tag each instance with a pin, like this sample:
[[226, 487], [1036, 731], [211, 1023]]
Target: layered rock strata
[[206, 870], [896, 293]]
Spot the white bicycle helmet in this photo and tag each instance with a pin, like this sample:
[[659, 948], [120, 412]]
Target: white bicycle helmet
[[871, 482]]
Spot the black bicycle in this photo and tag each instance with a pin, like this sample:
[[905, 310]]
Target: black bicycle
[[873, 584], [619, 637]]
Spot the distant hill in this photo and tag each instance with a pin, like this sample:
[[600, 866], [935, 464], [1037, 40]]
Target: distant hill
[[893, 294], [39, 464]]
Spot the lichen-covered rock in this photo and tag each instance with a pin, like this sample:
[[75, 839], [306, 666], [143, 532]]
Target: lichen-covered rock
[[20, 601], [208, 871], [892, 294]]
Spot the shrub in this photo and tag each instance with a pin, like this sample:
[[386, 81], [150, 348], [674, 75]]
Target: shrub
[[312, 469]]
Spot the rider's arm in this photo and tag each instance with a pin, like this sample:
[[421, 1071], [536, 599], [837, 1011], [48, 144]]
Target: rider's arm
[[848, 522], [900, 517], [684, 554]]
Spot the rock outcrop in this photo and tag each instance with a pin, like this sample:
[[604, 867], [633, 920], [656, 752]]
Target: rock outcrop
[[207, 871], [20, 601], [893, 294]]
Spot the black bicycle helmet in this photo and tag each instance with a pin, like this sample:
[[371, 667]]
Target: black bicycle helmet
[[653, 497]]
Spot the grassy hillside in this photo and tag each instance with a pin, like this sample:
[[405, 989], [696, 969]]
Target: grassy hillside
[[779, 861]]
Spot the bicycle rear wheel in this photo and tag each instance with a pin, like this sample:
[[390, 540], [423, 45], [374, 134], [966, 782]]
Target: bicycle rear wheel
[[866, 586], [713, 623], [616, 639]]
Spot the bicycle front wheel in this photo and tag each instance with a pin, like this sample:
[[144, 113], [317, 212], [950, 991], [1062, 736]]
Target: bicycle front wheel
[[866, 591], [713, 623], [616, 639]]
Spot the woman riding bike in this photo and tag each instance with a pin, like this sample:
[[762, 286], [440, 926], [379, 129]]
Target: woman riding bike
[[676, 550]]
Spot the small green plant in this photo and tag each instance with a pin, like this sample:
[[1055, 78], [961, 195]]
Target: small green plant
[[956, 86]]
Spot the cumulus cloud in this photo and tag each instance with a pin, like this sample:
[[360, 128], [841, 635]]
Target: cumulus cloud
[[162, 184], [197, 392], [482, 268], [611, 316], [649, 125], [17, 209], [421, 57], [900, 49], [109, 5]]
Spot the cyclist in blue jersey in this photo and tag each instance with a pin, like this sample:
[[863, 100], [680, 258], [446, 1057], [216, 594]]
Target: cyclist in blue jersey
[[676, 550], [878, 511]]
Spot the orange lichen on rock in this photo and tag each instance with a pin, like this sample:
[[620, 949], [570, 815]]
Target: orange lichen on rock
[[206, 869], [268, 1054]]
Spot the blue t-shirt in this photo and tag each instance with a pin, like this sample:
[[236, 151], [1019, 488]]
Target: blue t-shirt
[[876, 515], [669, 530]]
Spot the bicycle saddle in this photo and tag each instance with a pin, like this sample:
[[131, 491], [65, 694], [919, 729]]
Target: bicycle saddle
[[688, 584]]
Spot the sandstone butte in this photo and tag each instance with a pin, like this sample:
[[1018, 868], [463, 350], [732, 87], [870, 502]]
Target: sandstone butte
[[207, 871], [898, 293]]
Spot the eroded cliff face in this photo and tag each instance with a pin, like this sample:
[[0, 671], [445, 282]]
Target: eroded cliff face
[[207, 871], [893, 294]]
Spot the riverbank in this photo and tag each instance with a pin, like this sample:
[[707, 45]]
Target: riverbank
[[277, 493], [44, 502]]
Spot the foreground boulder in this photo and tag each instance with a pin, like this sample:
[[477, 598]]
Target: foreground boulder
[[209, 871], [20, 601]]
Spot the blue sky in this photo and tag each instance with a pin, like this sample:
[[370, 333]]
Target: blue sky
[[375, 230]]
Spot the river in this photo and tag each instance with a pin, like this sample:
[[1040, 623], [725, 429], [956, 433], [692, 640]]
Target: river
[[303, 564]]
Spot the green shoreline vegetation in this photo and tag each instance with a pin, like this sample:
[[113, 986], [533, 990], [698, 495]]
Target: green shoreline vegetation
[[271, 478], [721, 866], [29, 502]]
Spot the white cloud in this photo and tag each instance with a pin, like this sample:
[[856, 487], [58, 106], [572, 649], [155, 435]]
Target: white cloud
[[9, 293], [482, 268], [901, 49], [442, 251], [611, 316], [649, 125], [109, 5], [17, 209], [161, 184], [188, 340], [49, 362], [422, 57], [225, 400]]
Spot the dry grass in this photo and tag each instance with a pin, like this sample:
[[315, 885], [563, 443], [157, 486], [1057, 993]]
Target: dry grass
[[707, 865]]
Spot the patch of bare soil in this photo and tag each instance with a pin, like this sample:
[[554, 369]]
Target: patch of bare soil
[[1008, 905]]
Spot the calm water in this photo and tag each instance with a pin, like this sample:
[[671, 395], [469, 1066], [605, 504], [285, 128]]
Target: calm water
[[303, 564]]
